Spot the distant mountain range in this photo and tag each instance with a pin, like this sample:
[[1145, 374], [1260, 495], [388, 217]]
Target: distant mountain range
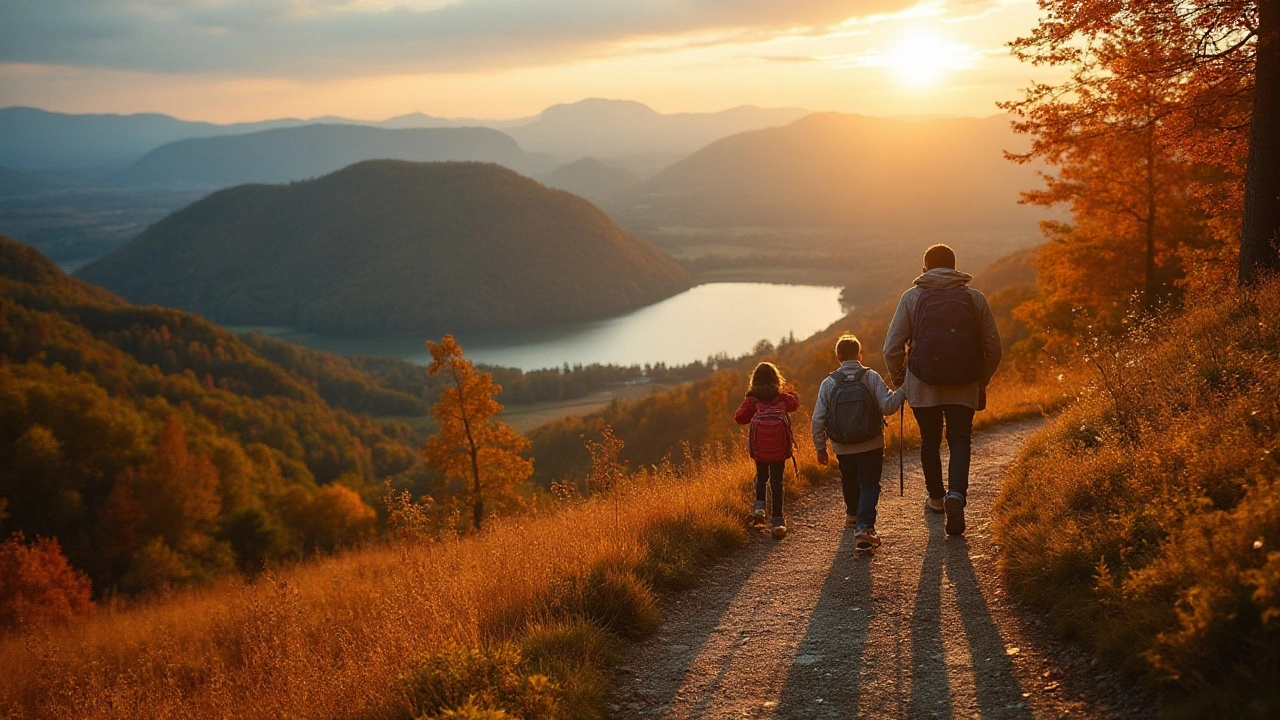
[[287, 154], [618, 128], [946, 175], [32, 138], [387, 247]]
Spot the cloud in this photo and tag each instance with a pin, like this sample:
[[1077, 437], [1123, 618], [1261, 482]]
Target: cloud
[[789, 58], [328, 38]]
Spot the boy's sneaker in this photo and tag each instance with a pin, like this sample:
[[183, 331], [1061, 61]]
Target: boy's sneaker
[[934, 505], [758, 513], [953, 504], [779, 528], [866, 538], [851, 522]]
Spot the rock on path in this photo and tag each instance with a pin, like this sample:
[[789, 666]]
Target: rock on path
[[806, 627]]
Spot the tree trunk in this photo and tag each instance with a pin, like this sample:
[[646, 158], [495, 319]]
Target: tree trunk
[[1150, 292], [477, 507], [1259, 253]]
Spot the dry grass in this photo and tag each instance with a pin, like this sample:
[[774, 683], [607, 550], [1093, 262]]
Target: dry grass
[[1146, 519], [334, 638], [523, 618]]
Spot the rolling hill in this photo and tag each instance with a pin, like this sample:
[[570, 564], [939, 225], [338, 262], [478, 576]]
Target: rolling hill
[[592, 179], [944, 175], [288, 154], [386, 247]]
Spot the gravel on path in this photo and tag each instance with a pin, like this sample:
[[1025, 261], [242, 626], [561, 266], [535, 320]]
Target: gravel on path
[[807, 627]]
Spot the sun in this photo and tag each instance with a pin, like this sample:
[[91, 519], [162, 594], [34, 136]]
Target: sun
[[920, 58]]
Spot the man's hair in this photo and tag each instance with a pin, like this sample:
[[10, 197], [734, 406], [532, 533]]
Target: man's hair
[[939, 256], [848, 347]]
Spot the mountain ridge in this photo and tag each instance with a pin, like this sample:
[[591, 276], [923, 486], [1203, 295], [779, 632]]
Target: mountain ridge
[[388, 247]]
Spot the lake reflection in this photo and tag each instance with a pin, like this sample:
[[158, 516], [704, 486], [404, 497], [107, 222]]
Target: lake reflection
[[698, 323]]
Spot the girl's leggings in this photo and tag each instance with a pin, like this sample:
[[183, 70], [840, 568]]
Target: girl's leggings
[[771, 473]]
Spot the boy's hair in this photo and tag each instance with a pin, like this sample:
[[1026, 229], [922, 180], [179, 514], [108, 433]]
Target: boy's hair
[[765, 375], [939, 256], [848, 347]]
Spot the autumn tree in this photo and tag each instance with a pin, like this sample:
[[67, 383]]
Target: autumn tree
[[38, 587], [472, 444], [1152, 125]]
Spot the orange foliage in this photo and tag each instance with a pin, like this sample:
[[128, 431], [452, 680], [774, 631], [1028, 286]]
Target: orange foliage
[[471, 444], [37, 585], [1147, 138]]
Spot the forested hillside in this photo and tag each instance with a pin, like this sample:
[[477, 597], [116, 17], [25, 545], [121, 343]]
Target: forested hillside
[[159, 449], [387, 247]]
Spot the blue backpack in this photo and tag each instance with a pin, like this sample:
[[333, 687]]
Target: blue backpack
[[946, 347], [853, 415]]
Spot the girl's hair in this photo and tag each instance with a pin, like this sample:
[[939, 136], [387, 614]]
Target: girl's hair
[[766, 381]]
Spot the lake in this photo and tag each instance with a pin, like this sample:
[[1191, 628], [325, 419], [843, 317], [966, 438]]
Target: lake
[[694, 325]]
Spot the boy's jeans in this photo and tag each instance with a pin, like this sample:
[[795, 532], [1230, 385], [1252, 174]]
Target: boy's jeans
[[959, 422], [860, 480], [771, 473]]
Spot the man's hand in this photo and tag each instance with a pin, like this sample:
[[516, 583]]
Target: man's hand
[[823, 458]]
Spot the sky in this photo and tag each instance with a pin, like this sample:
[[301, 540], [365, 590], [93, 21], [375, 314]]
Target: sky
[[241, 60]]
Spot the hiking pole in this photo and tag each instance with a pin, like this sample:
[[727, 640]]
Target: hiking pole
[[902, 440]]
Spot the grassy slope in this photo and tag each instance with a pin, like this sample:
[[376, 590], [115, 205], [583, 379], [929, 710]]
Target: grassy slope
[[1146, 519], [522, 615]]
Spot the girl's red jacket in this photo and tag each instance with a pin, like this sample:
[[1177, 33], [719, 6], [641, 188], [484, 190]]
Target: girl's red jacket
[[747, 410]]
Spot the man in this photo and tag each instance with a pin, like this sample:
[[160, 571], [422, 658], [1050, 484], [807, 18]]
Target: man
[[943, 346]]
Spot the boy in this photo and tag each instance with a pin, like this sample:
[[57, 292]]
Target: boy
[[852, 403]]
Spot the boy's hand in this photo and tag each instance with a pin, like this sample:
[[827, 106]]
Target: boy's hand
[[823, 459]]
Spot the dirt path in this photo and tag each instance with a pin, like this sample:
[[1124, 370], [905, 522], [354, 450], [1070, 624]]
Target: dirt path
[[808, 628]]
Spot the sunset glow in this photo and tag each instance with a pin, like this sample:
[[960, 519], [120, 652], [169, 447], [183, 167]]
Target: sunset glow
[[508, 59], [921, 58]]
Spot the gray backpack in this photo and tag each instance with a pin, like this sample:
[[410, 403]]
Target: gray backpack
[[853, 415]]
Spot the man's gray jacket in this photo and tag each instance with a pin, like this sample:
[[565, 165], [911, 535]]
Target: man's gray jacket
[[898, 340]]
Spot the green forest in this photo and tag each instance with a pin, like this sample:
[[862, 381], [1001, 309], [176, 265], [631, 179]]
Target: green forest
[[159, 449]]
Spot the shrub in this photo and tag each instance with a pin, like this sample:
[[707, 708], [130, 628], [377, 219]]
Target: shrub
[[1146, 518], [38, 588]]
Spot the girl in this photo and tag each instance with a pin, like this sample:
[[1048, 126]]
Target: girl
[[767, 409]]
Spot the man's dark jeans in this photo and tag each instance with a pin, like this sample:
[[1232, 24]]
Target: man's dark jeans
[[771, 474], [860, 481], [959, 422]]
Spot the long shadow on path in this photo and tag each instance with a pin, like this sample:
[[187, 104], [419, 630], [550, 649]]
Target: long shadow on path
[[825, 676], [947, 622], [668, 659]]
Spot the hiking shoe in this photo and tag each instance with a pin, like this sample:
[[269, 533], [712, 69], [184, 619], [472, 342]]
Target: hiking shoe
[[953, 504], [758, 513], [779, 528], [934, 505], [851, 521], [866, 538]]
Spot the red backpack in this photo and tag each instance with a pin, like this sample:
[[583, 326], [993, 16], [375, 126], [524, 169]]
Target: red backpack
[[771, 439]]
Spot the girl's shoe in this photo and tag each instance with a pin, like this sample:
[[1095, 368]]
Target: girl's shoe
[[851, 522], [757, 515], [866, 538], [779, 528], [934, 505]]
